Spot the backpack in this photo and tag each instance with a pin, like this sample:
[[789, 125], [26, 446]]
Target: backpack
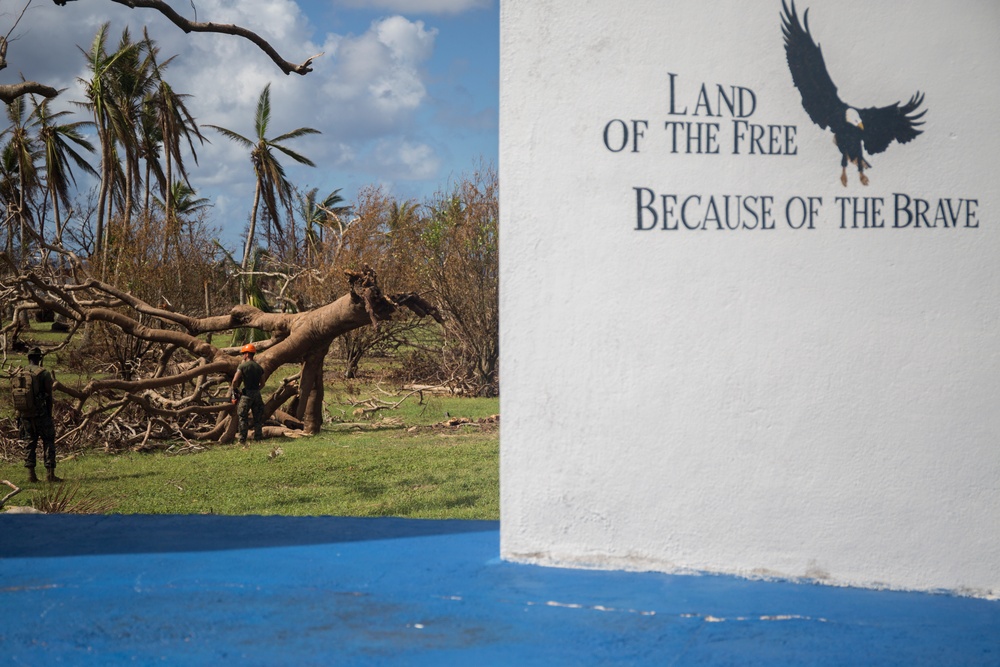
[[26, 390]]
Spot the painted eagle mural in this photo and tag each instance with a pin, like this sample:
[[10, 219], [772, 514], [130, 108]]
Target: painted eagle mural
[[855, 130]]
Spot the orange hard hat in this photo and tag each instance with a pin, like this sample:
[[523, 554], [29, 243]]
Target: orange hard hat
[[249, 347]]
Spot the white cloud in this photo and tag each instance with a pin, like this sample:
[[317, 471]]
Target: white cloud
[[418, 6], [408, 41], [366, 94], [406, 160], [375, 83]]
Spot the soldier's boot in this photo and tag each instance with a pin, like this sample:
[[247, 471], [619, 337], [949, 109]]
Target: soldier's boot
[[50, 476], [32, 477]]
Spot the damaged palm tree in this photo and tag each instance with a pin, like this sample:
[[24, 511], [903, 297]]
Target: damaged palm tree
[[183, 395]]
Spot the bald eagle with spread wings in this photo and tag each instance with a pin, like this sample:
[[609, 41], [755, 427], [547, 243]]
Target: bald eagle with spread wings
[[854, 130]]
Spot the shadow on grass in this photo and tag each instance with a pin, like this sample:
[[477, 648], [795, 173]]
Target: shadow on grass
[[33, 536], [105, 476]]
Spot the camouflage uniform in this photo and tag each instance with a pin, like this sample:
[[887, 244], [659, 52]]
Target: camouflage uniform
[[40, 425], [250, 401]]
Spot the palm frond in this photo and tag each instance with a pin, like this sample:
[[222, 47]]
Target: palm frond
[[262, 117], [233, 136], [301, 159]]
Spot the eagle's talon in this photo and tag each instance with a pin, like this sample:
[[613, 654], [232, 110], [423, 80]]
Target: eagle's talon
[[843, 179], [864, 180]]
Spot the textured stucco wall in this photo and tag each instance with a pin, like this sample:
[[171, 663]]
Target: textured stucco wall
[[817, 403]]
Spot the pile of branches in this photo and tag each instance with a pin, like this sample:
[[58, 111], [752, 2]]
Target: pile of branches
[[73, 434], [178, 388]]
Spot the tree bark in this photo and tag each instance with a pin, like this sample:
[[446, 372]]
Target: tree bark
[[11, 91], [310, 400]]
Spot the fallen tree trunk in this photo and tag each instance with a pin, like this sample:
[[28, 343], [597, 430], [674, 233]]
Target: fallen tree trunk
[[185, 393]]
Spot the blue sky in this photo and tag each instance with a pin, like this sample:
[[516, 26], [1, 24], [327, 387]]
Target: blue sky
[[405, 95]]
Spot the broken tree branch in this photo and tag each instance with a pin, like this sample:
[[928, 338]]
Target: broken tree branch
[[9, 495], [189, 26]]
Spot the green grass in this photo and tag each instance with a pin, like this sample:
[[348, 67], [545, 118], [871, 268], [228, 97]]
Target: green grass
[[431, 473], [397, 461], [415, 410]]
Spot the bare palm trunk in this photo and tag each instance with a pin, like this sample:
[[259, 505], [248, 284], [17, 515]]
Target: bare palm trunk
[[9, 222], [168, 208], [145, 200], [168, 195], [20, 216], [130, 177], [100, 239], [248, 248], [55, 214]]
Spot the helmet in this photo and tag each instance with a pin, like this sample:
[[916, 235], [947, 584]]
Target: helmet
[[249, 347], [35, 353]]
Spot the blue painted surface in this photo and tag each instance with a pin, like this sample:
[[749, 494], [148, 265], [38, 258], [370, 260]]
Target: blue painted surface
[[196, 590]]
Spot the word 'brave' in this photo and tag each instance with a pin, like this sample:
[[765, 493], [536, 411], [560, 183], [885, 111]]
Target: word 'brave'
[[867, 213]]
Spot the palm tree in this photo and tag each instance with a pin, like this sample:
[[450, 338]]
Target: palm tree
[[100, 91], [402, 215], [319, 215], [24, 153], [175, 125], [150, 143], [56, 140], [251, 292], [8, 192], [131, 83], [271, 186], [185, 202]]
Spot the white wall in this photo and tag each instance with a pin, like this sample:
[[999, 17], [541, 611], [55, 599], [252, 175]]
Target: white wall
[[819, 403]]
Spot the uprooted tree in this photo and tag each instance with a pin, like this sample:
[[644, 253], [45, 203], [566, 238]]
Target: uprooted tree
[[184, 393]]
